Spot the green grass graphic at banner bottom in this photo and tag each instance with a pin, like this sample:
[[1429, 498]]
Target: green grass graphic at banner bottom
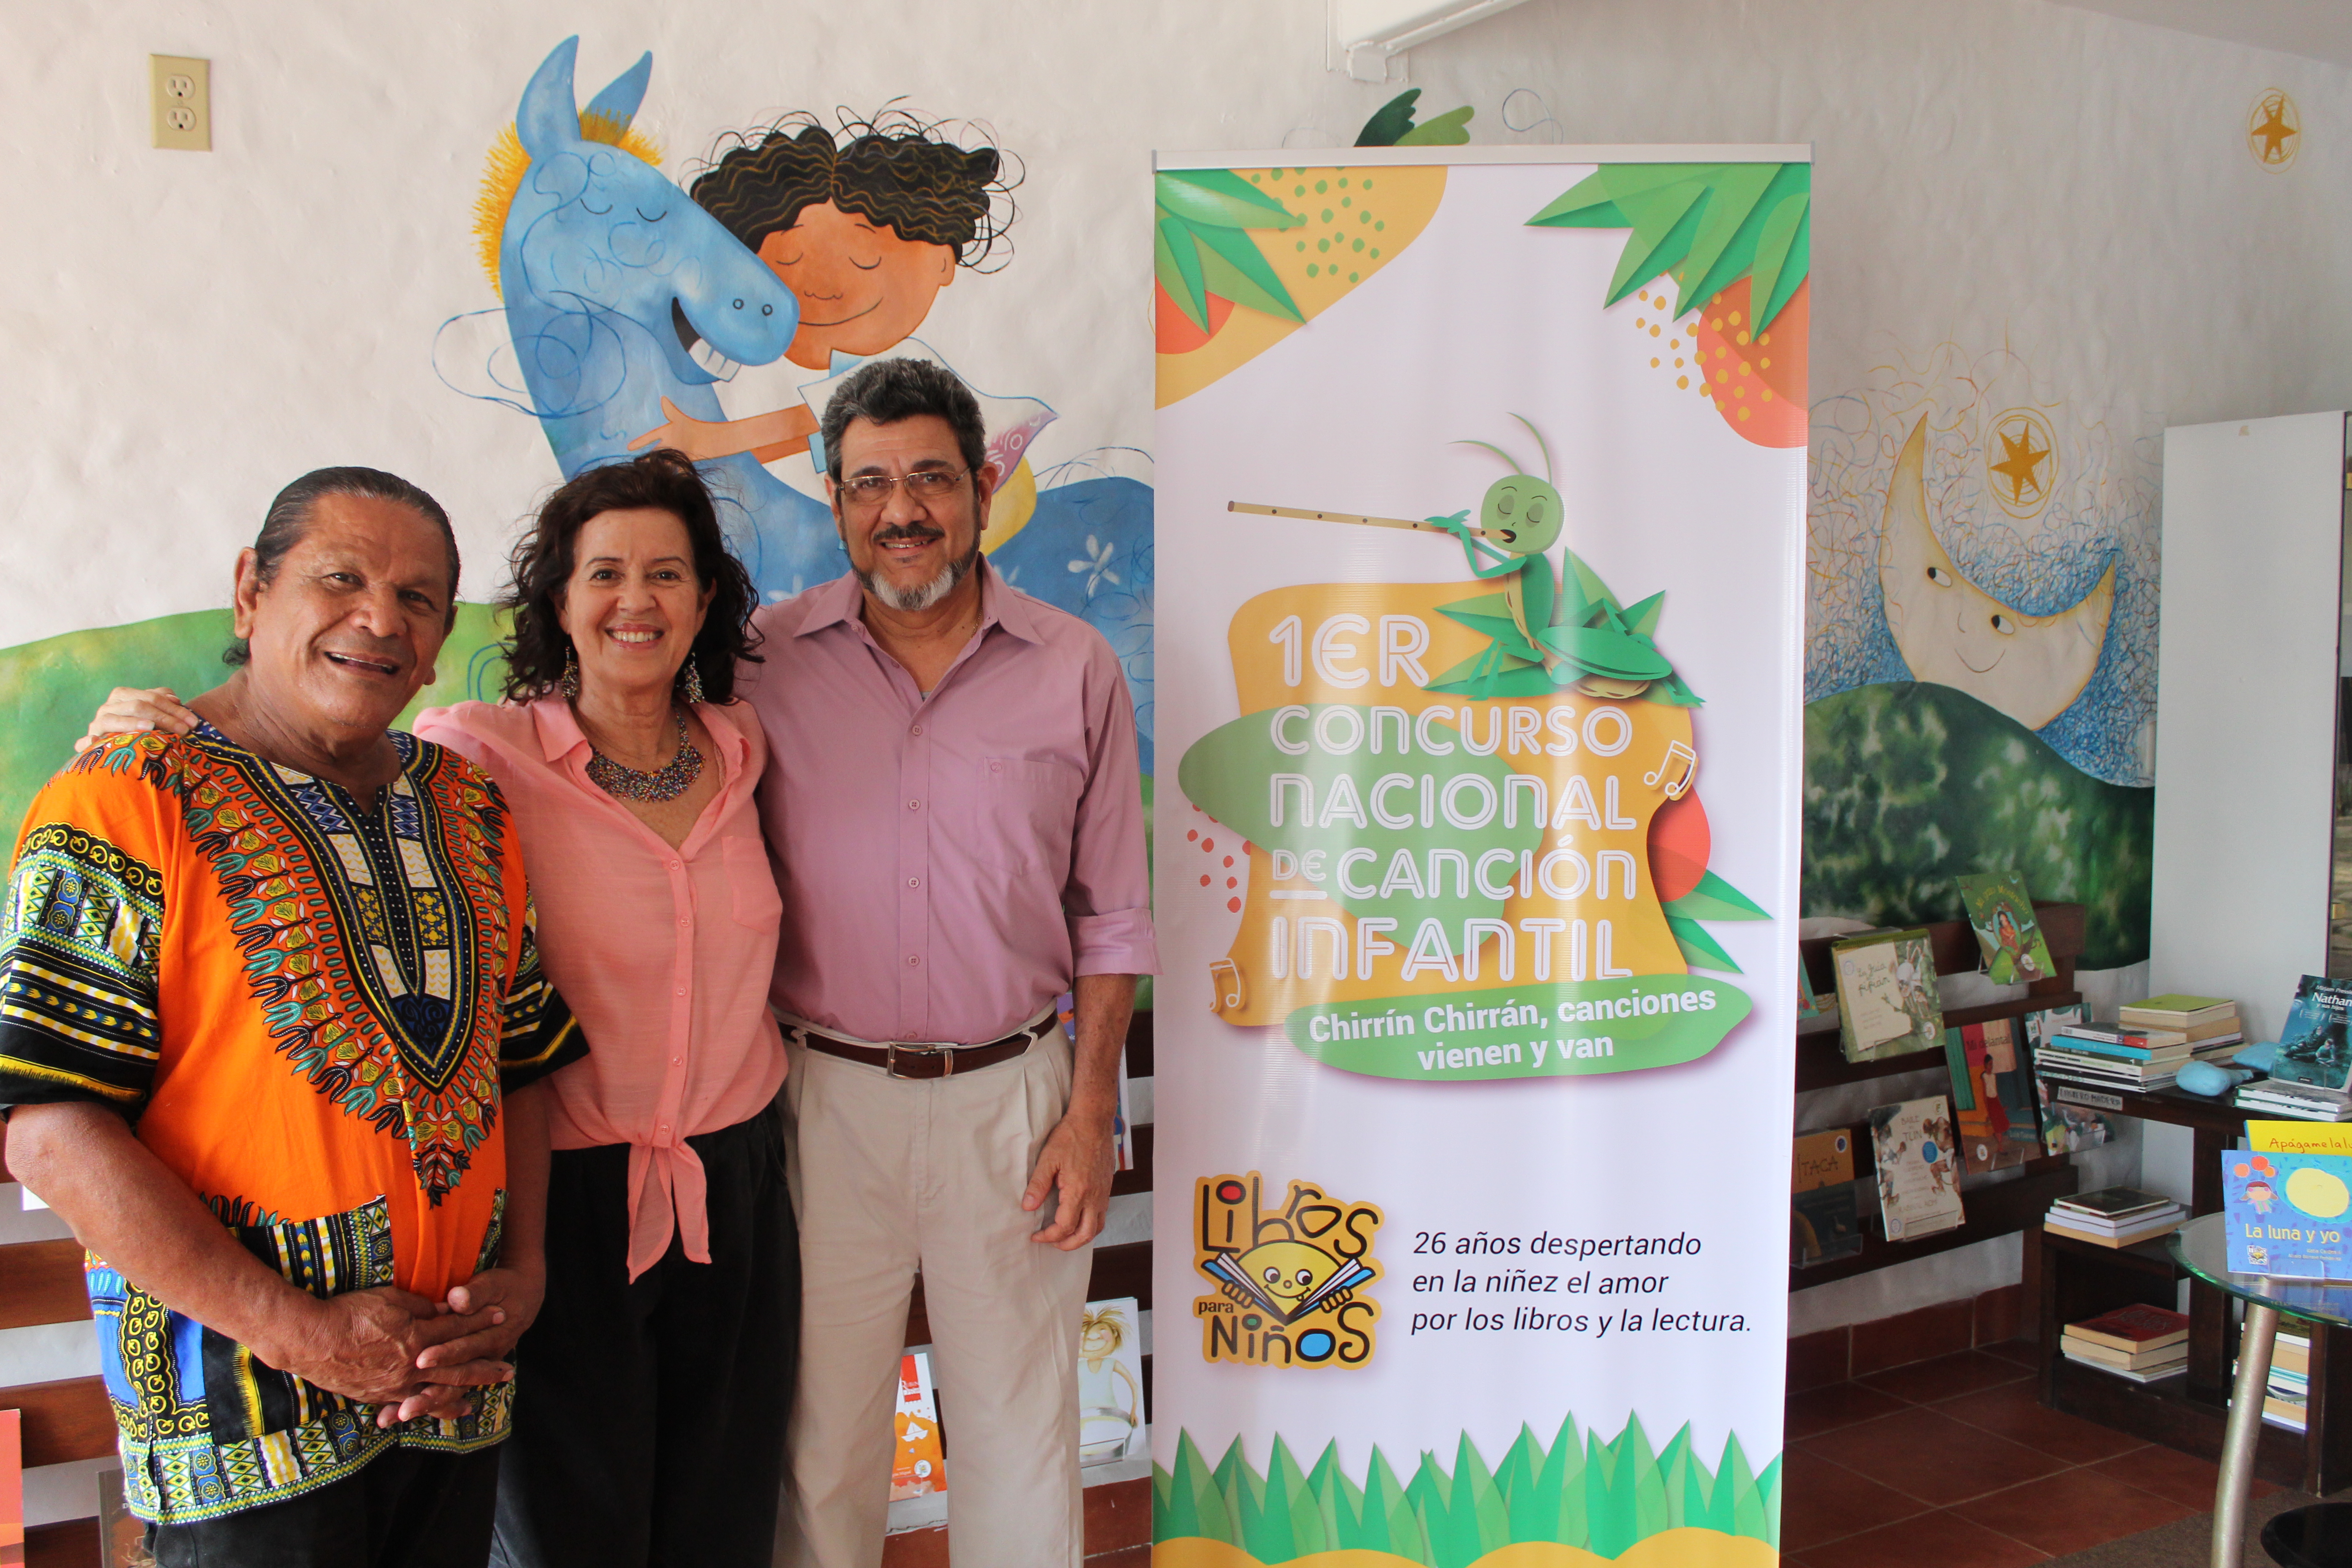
[[1602, 1496]]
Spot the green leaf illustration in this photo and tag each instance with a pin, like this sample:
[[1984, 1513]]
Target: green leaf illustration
[[1242, 261], [1219, 198], [1176, 263], [1451, 129], [1707, 224], [1716, 900], [1700, 950]]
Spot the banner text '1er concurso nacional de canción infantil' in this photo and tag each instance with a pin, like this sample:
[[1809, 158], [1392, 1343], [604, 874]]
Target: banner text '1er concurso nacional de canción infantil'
[[1482, 485]]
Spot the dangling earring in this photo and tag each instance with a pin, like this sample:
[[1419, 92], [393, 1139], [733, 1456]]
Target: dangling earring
[[692, 687], [572, 673]]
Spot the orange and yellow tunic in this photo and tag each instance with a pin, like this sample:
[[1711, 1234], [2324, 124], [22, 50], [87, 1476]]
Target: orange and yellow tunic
[[308, 1009]]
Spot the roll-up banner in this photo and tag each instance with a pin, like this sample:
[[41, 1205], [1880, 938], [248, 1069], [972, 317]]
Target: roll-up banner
[[1482, 485]]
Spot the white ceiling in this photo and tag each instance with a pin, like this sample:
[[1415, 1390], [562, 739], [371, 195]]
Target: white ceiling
[[2321, 29]]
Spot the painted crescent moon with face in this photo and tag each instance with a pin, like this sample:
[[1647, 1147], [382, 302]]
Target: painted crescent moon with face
[[1953, 633]]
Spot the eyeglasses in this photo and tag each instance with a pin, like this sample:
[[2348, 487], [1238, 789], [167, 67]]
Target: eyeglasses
[[867, 493]]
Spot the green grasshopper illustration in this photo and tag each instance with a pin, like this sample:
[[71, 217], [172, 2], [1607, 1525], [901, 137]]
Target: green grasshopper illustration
[[1543, 636]]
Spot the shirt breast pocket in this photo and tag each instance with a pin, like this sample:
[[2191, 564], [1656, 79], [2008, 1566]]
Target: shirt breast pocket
[[1027, 809], [752, 883]]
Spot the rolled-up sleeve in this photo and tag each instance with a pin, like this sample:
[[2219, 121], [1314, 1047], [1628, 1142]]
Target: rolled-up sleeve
[[1108, 899]]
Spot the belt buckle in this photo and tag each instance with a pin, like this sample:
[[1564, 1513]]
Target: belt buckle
[[890, 1060]]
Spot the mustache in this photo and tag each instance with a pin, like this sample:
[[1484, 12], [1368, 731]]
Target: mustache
[[918, 533]]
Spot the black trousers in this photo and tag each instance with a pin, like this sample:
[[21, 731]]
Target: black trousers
[[407, 1507], [650, 1417]]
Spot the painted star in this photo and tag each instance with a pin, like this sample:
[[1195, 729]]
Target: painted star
[[2274, 131], [2020, 460]]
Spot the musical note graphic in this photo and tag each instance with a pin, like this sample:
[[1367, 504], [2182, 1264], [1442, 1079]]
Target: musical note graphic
[[1676, 786], [1231, 993]]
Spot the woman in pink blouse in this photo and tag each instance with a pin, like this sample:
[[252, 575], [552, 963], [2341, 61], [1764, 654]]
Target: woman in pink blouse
[[654, 1386]]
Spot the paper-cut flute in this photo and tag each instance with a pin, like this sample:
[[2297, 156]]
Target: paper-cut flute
[[1356, 517]]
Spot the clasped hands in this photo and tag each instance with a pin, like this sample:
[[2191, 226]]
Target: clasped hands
[[410, 1357]]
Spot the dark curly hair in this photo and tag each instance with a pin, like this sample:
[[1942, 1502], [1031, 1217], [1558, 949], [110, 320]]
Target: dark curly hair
[[893, 168], [666, 480]]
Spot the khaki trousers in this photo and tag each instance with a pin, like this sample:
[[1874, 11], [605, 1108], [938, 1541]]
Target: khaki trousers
[[889, 1176]]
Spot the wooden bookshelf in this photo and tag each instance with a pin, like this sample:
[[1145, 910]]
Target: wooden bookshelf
[[1999, 1209]]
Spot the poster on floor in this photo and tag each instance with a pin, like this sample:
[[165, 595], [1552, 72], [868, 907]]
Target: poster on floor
[[1481, 510]]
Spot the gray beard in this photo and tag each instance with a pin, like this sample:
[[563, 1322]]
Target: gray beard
[[913, 601]]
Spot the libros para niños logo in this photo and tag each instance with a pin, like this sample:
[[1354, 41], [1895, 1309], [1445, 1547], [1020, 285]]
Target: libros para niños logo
[[1288, 1279]]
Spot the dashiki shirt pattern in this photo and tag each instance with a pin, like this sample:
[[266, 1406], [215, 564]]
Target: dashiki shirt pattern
[[308, 1009]]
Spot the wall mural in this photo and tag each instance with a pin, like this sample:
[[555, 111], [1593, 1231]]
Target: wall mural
[[625, 310], [635, 313], [1980, 649]]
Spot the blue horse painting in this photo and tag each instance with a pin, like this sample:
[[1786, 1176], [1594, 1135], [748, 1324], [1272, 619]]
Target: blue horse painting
[[620, 292]]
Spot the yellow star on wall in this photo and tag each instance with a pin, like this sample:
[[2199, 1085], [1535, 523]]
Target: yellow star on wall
[[2274, 129], [2021, 463]]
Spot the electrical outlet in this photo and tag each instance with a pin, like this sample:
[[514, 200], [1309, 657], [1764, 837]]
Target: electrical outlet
[[183, 98]]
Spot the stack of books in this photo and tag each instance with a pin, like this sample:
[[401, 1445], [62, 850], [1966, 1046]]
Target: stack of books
[[2289, 1391], [2113, 1056], [2115, 1216], [2139, 1342], [2303, 1102], [2207, 1026]]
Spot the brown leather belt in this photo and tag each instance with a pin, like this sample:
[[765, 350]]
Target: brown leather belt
[[926, 1060]]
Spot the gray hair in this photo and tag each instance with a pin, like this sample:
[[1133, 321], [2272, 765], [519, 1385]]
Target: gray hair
[[889, 390], [288, 519]]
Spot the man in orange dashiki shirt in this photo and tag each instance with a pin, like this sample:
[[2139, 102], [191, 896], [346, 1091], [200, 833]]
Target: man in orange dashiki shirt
[[291, 956]]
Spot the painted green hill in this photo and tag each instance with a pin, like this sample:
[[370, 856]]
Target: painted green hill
[[1908, 785]]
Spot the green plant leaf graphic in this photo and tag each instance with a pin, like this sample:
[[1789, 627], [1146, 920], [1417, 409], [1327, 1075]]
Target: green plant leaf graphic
[[1219, 198], [1716, 900], [1700, 950], [1176, 263]]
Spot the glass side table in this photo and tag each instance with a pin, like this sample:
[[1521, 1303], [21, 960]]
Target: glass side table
[[2202, 1248]]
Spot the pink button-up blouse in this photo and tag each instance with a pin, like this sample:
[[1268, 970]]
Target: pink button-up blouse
[[663, 954]]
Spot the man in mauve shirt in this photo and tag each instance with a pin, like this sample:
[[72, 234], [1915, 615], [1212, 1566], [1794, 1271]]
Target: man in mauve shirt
[[953, 807]]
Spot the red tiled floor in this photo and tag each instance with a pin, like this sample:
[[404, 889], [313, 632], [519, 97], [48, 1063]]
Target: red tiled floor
[[2172, 1475], [2072, 1509], [1821, 1501], [1942, 1540], [2024, 1352], [1820, 1410], [1931, 1456], [2013, 1412], [1925, 1381]]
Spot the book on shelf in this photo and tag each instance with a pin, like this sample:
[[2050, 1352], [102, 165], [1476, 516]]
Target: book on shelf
[[2313, 1048], [2067, 1127], [2085, 1355], [1110, 1383], [1919, 1179], [2133, 1329], [2166, 1357], [2007, 931], [2174, 1010], [1887, 1004], [2297, 1138], [2300, 1101], [12, 1486], [2115, 1216], [2284, 1215], [1824, 1222], [2114, 1205], [920, 1464], [1816, 1010], [2104, 1033], [2103, 1047], [2287, 1392]]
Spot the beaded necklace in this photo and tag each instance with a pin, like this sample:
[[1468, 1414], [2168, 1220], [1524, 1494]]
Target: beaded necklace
[[669, 781]]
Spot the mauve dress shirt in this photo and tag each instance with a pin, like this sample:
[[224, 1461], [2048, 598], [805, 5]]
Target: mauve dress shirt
[[663, 954], [948, 863]]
